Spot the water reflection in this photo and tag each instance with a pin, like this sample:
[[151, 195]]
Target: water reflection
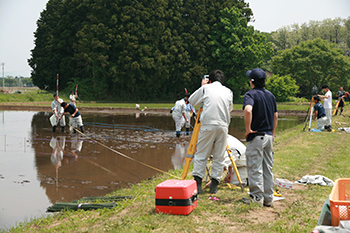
[[179, 156], [65, 167], [57, 144]]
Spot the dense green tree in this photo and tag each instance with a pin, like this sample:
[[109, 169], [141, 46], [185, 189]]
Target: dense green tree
[[314, 62], [282, 87], [236, 48], [127, 50], [45, 57]]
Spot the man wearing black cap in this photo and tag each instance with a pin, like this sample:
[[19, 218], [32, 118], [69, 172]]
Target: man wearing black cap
[[260, 117]]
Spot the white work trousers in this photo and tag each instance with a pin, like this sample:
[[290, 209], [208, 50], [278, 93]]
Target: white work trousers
[[259, 157], [320, 123], [179, 121], [62, 121], [188, 116], [212, 140], [328, 112], [77, 121]]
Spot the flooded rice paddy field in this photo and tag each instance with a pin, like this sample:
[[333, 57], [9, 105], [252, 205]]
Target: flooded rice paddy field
[[39, 168]]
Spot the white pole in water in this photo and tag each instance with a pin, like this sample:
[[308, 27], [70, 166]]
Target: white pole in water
[[3, 77], [57, 85]]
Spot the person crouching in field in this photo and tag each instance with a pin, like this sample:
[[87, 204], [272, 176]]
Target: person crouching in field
[[76, 117], [319, 113]]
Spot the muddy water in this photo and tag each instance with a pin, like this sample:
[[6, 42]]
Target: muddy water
[[39, 168]]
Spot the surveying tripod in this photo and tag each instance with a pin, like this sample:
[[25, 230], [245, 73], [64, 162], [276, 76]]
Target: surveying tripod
[[337, 105], [192, 148], [309, 114]]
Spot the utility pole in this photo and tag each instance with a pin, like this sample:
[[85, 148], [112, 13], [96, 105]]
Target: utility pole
[[3, 77]]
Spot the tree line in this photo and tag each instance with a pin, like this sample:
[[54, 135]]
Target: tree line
[[17, 81], [143, 50], [312, 54], [150, 50], [335, 31]]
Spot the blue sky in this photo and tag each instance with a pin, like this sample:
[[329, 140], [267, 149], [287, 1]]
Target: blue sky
[[18, 23]]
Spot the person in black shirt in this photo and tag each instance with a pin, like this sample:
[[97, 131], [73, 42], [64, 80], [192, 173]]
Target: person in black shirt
[[260, 117], [320, 114], [76, 117], [340, 96]]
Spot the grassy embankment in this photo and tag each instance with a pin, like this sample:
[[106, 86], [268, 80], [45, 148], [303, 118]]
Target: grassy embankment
[[44, 98], [297, 153]]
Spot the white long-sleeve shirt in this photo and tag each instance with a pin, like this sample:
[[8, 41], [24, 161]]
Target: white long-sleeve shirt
[[217, 103], [179, 108], [56, 106]]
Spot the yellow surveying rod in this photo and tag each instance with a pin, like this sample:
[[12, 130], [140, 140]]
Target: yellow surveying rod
[[192, 149], [234, 167], [192, 146]]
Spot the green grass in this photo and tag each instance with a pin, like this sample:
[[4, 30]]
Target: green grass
[[26, 95], [297, 153], [41, 98]]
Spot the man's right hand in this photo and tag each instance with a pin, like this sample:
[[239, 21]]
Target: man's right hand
[[249, 132]]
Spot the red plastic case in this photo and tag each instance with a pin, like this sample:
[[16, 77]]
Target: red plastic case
[[176, 197]]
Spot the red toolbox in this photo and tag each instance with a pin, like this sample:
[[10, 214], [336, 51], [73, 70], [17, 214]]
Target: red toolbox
[[176, 197]]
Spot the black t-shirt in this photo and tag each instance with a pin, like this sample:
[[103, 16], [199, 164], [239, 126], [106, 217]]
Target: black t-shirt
[[71, 109], [264, 108]]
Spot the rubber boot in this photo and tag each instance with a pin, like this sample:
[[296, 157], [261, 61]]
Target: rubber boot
[[336, 112], [199, 184], [187, 131], [341, 111], [214, 186], [54, 128], [82, 129], [177, 134], [62, 129]]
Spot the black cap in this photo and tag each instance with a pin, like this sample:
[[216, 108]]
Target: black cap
[[256, 74]]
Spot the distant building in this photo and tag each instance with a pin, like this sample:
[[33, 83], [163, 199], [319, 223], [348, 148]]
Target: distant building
[[268, 73]]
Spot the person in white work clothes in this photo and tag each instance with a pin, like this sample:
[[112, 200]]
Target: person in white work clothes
[[72, 98], [216, 101], [178, 114], [58, 111], [189, 111], [327, 106]]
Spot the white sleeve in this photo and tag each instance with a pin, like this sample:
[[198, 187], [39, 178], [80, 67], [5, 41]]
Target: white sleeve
[[196, 98], [53, 106]]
